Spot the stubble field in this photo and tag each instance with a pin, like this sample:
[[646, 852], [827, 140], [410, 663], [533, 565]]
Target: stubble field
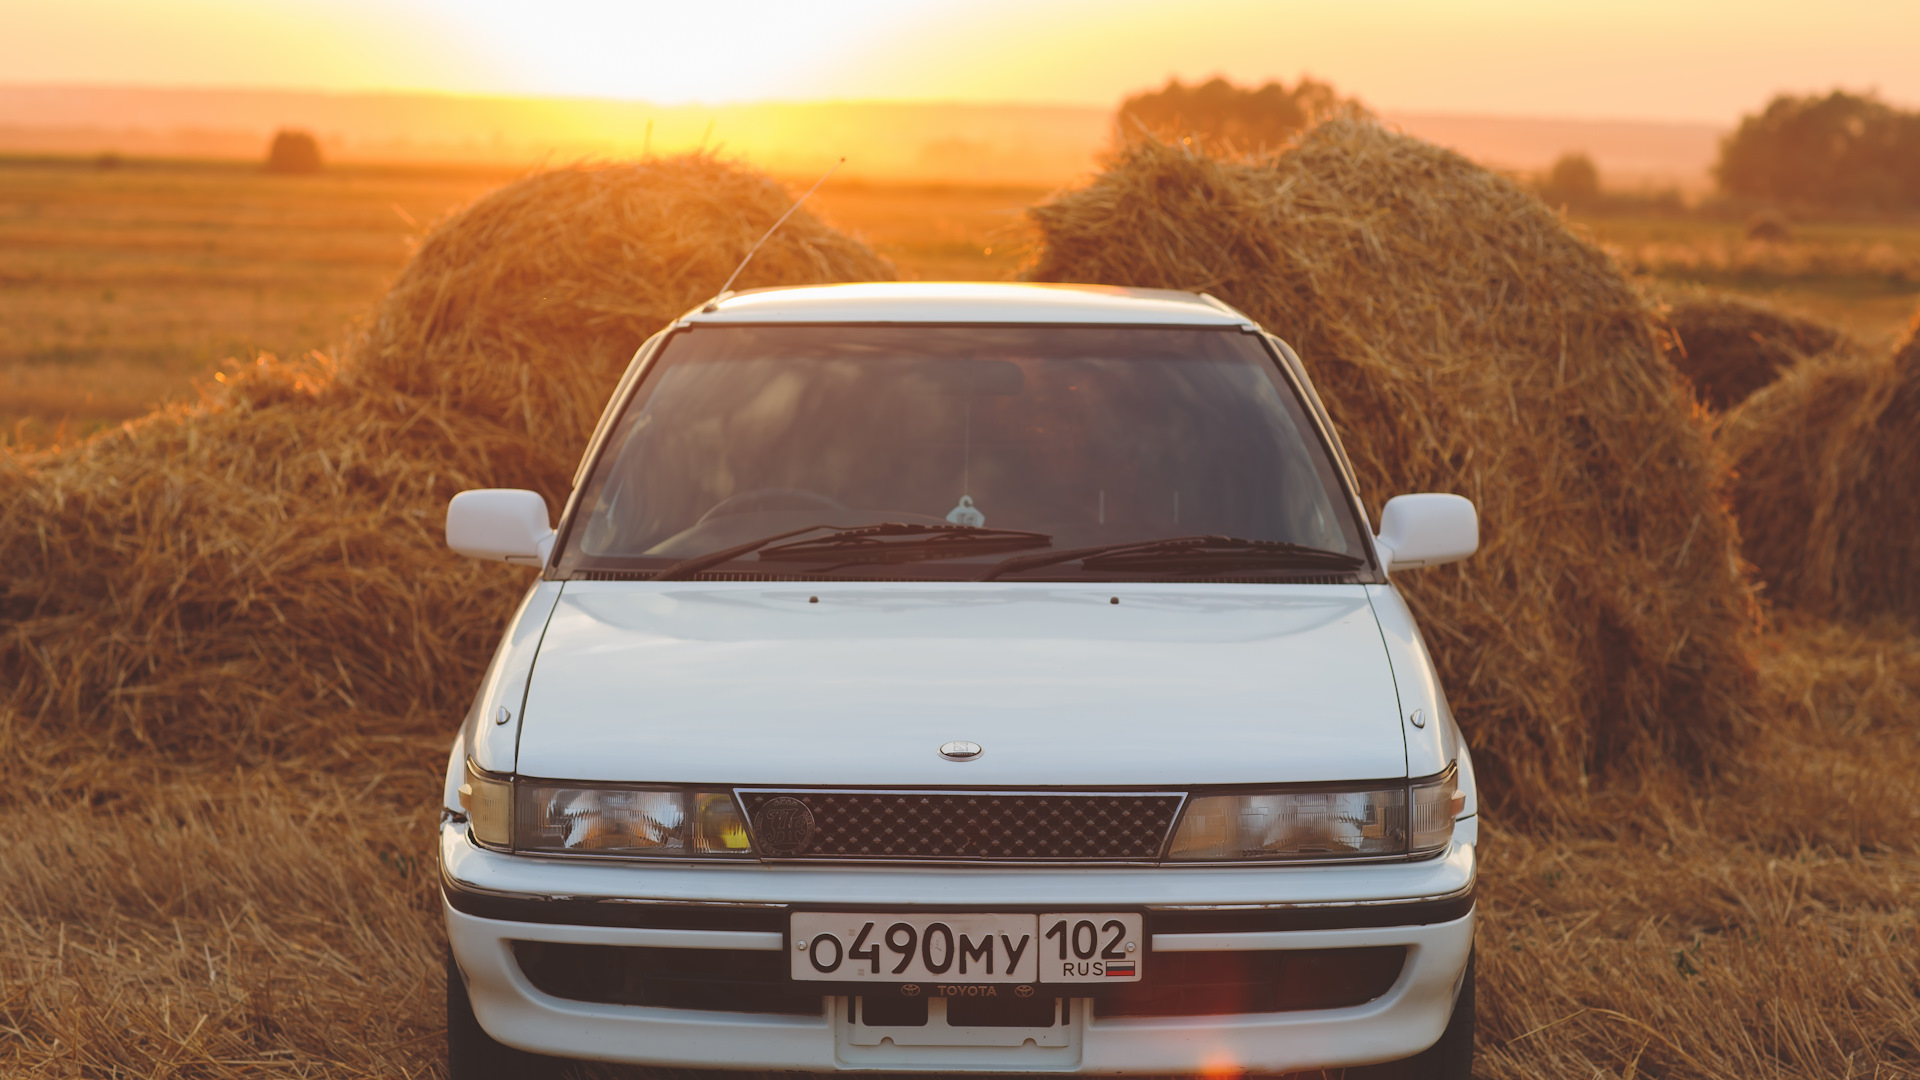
[[120, 287], [273, 912]]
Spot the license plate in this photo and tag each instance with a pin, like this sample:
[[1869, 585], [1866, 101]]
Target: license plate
[[889, 947]]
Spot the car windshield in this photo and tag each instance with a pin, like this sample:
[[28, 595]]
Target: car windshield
[[1086, 436]]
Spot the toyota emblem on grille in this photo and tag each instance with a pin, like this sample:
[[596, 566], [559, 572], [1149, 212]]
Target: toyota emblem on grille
[[783, 827], [960, 750]]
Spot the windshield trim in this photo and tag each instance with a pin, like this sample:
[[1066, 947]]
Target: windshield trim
[[650, 351], [1294, 372]]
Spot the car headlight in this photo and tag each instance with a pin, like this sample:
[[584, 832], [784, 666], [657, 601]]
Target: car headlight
[[1369, 822], [602, 819], [574, 819]]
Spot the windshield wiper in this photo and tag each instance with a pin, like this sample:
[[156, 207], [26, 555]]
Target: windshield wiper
[[895, 541], [1186, 555], [887, 542]]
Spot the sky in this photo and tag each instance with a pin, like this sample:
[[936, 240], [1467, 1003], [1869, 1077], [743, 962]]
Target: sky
[[1697, 60]]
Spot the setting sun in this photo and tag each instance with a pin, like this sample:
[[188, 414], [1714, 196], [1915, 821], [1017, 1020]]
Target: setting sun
[[1702, 60]]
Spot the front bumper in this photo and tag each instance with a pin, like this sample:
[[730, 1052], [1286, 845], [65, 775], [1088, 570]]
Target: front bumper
[[515, 898]]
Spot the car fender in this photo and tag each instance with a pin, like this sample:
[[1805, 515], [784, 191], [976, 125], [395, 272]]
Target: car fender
[[1435, 743], [485, 738]]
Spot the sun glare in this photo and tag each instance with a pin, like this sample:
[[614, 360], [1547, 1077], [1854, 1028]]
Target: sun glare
[[678, 53], [1707, 59]]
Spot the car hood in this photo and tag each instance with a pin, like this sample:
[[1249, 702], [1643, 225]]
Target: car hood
[[756, 683]]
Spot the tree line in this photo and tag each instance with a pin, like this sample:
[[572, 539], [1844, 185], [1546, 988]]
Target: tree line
[[1837, 151], [1217, 117]]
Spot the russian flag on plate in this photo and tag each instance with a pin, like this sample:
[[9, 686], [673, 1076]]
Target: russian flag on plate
[[1119, 968]]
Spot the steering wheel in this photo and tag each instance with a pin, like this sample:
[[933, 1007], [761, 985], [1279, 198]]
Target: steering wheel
[[762, 500]]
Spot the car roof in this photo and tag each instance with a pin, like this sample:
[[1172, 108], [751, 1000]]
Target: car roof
[[968, 302]]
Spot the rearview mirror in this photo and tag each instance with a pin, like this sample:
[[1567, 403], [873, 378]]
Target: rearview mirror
[[1426, 530], [500, 525]]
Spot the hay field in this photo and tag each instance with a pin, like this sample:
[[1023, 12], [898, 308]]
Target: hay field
[[245, 901], [1862, 278], [119, 287]]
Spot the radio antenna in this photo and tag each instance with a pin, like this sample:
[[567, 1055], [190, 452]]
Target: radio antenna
[[714, 304]]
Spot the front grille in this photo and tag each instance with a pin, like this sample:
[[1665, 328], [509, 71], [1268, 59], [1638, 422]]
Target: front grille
[[963, 825]]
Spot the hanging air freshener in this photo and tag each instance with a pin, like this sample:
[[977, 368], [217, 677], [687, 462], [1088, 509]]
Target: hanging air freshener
[[966, 513]]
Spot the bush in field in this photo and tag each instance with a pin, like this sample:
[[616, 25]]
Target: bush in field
[[293, 152], [1841, 151], [1221, 117], [1769, 227], [1574, 181]]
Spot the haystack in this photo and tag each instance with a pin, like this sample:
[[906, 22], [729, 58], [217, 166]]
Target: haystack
[[1828, 489], [1465, 341], [1730, 347], [527, 306], [258, 571]]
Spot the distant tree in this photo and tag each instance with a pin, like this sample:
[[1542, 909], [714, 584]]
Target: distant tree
[[1223, 118], [293, 152], [1573, 180], [1846, 151]]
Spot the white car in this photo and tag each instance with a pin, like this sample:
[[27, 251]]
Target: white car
[[961, 677]]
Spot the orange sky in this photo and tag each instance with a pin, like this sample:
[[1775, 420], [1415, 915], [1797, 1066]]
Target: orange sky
[[1704, 60]]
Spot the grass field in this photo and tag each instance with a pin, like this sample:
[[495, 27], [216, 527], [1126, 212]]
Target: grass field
[[120, 287], [273, 912], [1864, 279]]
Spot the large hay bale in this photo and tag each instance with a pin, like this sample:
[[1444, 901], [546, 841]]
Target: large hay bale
[[1828, 488], [266, 568], [256, 570], [1466, 341], [1730, 347], [526, 306]]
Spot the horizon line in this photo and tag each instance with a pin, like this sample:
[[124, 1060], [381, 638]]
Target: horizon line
[[490, 96]]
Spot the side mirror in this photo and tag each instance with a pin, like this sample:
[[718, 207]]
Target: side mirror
[[500, 525], [1427, 530]]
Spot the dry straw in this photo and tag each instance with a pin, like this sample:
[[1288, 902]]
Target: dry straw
[[1730, 347], [1828, 494], [263, 571], [525, 308], [1466, 341]]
